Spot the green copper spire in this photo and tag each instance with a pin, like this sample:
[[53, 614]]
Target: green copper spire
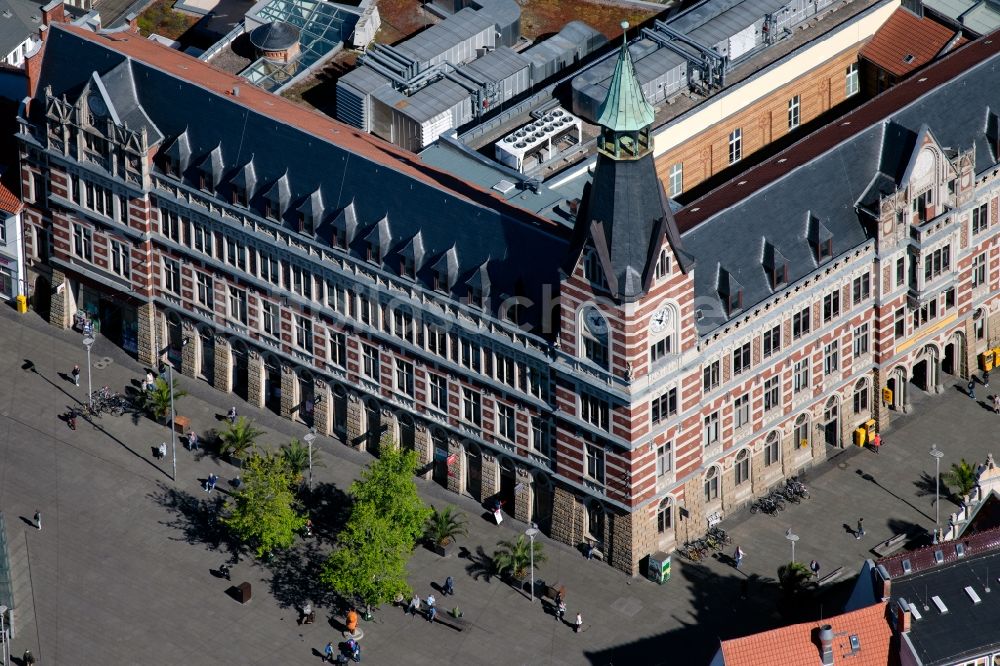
[[625, 109]]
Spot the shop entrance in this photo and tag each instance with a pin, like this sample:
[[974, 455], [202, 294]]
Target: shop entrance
[[508, 479], [241, 369]]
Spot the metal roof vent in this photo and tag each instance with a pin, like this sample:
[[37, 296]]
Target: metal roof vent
[[972, 594], [939, 556], [826, 644], [855, 643], [907, 567], [960, 550], [504, 186]]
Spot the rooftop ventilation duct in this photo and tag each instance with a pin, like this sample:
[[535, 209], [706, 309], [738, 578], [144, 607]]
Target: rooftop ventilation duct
[[826, 644]]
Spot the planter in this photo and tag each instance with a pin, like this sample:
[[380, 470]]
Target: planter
[[442, 549]]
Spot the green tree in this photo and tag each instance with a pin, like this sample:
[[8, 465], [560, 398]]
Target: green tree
[[369, 563], [514, 557], [158, 398], [263, 512], [793, 576], [442, 527], [388, 485], [386, 520], [961, 478], [239, 437]]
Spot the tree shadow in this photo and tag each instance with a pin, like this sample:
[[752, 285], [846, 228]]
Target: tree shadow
[[328, 507], [197, 519], [295, 574], [481, 565]]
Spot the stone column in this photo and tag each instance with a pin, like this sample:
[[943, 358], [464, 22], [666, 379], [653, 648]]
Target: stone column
[[189, 352], [58, 315], [566, 527], [522, 494], [255, 379], [322, 407], [788, 447], [148, 340], [693, 526], [491, 476], [967, 359], [621, 546], [816, 438], [424, 447], [289, 397], [355, 407], [757, 473], [456, 470], [223, 374], [880, 409], [728, 487]]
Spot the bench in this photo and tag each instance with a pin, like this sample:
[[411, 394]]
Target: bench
[[830, 577], [890, 545]]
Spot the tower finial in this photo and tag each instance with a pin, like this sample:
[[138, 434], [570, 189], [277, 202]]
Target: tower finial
[[625, 31]]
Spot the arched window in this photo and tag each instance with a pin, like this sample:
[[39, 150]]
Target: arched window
[[712, 484], [665, 516], [594, 332], [772, 450], [801, 433], [742, 467], [861, 396]]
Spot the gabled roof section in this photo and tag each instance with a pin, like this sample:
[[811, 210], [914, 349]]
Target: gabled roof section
[[817, 232], [729, 286], [447, 266], [798, 644], [380, 236], [312, 206], [347, 220], [246, 177], [625, 109], [907, 42], [414, 250], [179, 150], [9, 202], [280, 193], [213, 166], [118, 85], [897, 149], [480, 279], [923, 136]]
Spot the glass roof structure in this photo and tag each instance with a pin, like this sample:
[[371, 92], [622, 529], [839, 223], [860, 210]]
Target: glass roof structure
[[323, 26]]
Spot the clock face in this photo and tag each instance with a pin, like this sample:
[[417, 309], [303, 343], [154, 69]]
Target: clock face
[[97, 105], [595, 322], [660, 320]]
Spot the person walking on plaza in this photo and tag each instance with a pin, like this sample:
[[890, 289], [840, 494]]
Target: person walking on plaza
[[860, 532], [76, 375], [161, 452], [814, 567], [38, 519], [877, 442], [972, 389], [560, 610], [986, 378], [414, 606], [578, 624], [431, 608], [192, 440], [150, 382], [232, 415], [449, 586], [738, 556], [328, 653]]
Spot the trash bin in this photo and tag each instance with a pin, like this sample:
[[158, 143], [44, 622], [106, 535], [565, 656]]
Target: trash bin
[[860, 436], [987, 360], [21, 302], [658, 567]]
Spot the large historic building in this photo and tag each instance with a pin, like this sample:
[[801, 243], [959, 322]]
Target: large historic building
[[625, 382]]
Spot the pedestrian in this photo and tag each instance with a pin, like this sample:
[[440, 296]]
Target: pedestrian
[[972, 389], [328, 653], [212, 480], [814, 567], [71, 419], [161, 452], [28, 659], [578, 624], [449, 586], [986, 378], [860, 532], [76, 375], [996, 404], [192, 440], [414, 606], [560, 610], [38, 519], [150, 381], [738, 556], [877, 442], [232, 415], [432, 612], [355, 649]]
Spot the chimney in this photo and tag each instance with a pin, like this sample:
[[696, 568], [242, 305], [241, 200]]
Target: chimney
[[33, 65], [886, 587], [904, 617], [54, 12], [826, 644], [883, 580], [133, 21]]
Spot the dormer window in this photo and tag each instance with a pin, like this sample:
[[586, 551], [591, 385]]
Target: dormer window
[[374, 252], [407, 267], [663, 264], [476, 299], [203, 181], [305, 223], [734, 302], [239, 196], [824, 250], [776, 266], [439, 280], [340, 238], [592, 270], [169, 166], [271, 210], [730, 292]]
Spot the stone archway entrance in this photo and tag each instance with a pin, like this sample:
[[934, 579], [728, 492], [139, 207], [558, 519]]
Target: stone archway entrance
[[439, 440], [41, 298], [508, 479], [541, 502], [272, 384], [831, 422], [473, 472], [241, 368]]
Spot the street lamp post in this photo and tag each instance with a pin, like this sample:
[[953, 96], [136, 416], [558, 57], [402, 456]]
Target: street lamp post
[[937, 455], [531, 533], [173, 414], [309, 439], [88, 342], [792, 538]]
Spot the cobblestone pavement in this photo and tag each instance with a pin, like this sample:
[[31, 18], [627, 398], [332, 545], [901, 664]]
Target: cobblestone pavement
[[120, 572]]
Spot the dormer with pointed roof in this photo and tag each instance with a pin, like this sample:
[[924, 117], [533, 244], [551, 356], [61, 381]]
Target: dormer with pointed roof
[[479, 285], [210, 170], [311, 213], [244, 183], [344, 227], [378, 240], [444, 272], [625, 217], [177, 155], [277, 198], [411, 256]]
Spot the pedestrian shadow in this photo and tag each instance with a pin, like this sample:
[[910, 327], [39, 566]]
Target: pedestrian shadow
[[850, 530], [66, 377], [27, 521], [197, 519], [986, 405], [481, 565]]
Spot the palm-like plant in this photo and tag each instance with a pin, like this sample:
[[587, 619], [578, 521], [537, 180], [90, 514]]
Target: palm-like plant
[[513, 557], [961, 478], [239, 437], [444, 526], [158, 397], [296, 455], [793, 576]]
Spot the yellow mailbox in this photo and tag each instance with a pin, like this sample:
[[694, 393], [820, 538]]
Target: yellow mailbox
[[987, 360], [860, 436], [22, 303], [887, 394]]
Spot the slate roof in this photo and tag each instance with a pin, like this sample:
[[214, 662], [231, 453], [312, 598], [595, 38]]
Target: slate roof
[[264, 137], [827, 173], [24, 20], [907, 42], [798, 644]]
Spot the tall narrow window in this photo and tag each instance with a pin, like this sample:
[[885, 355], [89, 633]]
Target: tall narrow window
[[851, 80], [404, 377], [120, 261], [595, 337], [793, 112], [676, 179], [736, 145]]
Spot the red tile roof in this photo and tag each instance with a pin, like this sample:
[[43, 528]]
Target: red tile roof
[[278, 108], [798, 644], [9, 202], [870, 113], [905, 35]]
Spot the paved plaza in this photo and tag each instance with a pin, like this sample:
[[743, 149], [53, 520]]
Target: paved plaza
[[121, 571]]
